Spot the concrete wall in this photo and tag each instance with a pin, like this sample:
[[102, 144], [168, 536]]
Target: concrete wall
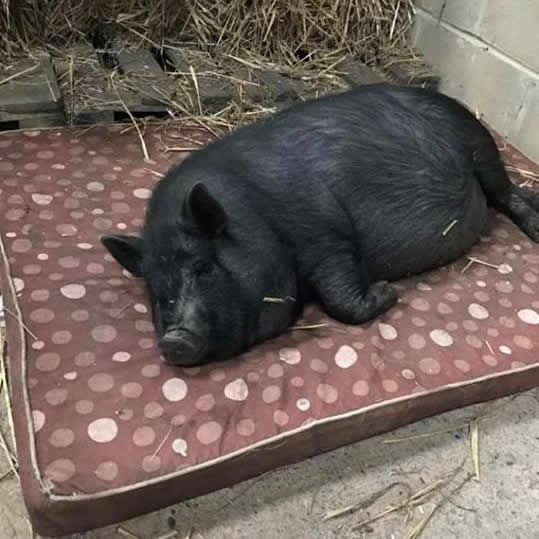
[[487, 52]]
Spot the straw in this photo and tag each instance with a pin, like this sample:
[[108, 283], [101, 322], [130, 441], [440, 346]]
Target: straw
[[132, 118], [126, 533], [270, 299], [19, 74], [449, 227], [474, 447], [308, 326], [169, 535]]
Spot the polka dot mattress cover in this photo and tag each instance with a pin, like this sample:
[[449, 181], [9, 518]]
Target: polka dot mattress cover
[[105, 430]]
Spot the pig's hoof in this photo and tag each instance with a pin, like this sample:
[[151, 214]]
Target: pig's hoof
[[380, 297]]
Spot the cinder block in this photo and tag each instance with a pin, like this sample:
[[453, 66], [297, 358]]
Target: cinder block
[[513, 27], [447, 54], [464, 14], [483, 81], [524, 133], [434, 7]]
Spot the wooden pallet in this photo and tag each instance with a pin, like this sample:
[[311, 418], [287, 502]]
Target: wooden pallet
[[29, 95], [81, 88]]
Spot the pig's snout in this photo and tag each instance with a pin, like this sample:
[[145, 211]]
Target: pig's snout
[[182, 347]]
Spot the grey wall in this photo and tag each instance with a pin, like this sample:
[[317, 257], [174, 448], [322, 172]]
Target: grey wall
[[487, 53]]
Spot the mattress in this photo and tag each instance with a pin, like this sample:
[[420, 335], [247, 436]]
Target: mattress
[[106, 431]]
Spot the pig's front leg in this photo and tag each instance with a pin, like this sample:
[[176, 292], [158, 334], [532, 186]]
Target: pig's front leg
[[343, 288]]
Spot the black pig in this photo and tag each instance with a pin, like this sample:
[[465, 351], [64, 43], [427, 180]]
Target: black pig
[[328, 199]]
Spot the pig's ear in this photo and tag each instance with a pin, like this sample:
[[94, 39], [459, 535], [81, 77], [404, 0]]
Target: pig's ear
[[126, 250], [204, 211]]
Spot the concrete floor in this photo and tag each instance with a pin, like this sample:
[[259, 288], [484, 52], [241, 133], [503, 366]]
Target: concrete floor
[[290, 503]]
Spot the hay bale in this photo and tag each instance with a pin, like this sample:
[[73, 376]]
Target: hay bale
[[284, 31]]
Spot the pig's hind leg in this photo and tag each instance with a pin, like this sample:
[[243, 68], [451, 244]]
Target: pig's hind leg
[[519, 204], [342, 286]]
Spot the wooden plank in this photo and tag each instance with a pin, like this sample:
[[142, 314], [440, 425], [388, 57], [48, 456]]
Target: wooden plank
[[252, 89], [84, 117], [94, 98], [80, 72], [215, 92], [280, 88], [34, 91], [33, 120], [356, 73], [179, 59], [144, 74], [409, 75], [47, 68]]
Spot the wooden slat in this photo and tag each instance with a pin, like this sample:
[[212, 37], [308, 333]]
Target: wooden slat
[[33, 120], [408, 75], [356, 73], [145, 74], [34, 91], [280, 88], [215, 92]]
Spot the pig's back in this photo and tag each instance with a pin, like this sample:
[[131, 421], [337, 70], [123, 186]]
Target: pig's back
[[386, 168]]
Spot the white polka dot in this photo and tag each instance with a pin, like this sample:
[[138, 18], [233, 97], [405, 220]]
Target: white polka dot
[[504, 349], [303, 404], [420, 304], [179, 446], [103, 430], [84, 246], [529, 316], [140, 308], [387, 331], [107, 471], [42, 200], [128, 274], [441, 337], [481, 284], [478, 311], [73, 291], [345, 357], [292, 356], [19, 284], [423, 287], [237, 390], [60, 470], [504, 269], [327, 393], [280, 417], [175, 389], [95, 187], [142, 193], [38, 418], [121, 357], [209, 432], [71, 375]]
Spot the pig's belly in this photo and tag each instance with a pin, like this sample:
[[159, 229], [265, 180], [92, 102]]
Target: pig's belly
[[403, 245]]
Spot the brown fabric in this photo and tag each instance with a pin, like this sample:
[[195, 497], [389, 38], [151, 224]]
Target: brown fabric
[[117, 433]]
